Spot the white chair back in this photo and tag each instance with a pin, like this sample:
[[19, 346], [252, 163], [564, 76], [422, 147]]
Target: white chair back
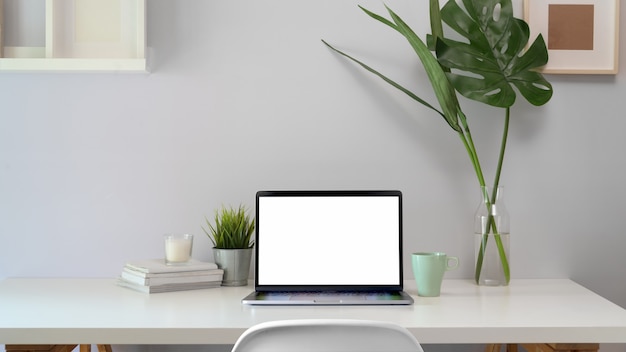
[[336, 335]]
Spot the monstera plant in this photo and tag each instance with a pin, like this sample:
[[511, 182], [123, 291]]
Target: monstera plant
[[491, 64]]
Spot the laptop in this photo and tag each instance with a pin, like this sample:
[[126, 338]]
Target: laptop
[[328, 248]]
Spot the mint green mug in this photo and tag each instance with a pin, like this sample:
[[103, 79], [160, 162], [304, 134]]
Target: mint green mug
[[428, 268]]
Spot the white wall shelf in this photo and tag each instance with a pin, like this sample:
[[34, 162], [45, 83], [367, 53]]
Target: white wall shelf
[[80, 36]]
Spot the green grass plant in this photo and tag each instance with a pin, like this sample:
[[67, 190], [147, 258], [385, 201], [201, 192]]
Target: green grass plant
[[232, 228]]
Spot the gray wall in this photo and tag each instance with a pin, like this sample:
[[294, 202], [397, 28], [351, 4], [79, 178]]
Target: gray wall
[[243, 96]]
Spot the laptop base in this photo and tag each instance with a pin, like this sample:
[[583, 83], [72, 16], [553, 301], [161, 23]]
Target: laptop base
[[328, 298]]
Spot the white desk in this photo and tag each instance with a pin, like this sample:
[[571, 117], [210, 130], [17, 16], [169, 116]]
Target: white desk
[[96, 311]]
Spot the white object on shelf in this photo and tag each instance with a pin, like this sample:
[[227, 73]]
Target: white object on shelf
[[85, 35]]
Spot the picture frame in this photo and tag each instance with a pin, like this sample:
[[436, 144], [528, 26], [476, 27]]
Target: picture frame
[[582, 36], [1, 28]]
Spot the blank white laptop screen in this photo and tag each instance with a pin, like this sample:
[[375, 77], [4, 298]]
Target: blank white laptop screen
[[332, 240]]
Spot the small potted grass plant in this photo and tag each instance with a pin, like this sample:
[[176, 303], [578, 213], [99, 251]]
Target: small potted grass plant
[[231, 234]]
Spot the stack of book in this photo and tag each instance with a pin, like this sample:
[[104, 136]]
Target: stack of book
[[153, 276]]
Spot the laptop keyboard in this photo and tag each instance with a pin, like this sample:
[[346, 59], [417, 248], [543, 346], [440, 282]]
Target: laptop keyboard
[[334, 295]]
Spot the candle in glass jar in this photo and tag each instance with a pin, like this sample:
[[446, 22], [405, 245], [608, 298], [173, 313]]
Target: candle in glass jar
[[178, 248]]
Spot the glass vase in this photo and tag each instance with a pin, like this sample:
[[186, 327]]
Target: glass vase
[[492, 239]]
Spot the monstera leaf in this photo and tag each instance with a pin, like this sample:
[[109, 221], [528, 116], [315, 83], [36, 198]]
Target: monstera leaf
[[444, 91], [495, 55], [494, 58]]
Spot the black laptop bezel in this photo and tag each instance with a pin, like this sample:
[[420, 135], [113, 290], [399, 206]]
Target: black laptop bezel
[[329, 193]]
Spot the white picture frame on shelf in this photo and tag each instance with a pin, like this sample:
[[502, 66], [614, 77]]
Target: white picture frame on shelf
[[98, 29]]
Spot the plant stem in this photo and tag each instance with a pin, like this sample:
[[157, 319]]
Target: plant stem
[[496, 184], [505, 133], [490, 221], [468, 142]]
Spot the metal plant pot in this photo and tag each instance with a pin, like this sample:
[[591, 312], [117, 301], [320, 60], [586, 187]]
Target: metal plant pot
[[236, 265]]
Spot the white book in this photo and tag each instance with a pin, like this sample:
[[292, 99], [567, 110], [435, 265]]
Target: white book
[[207, 276], [132, 271], [158, 266], [167, 288]]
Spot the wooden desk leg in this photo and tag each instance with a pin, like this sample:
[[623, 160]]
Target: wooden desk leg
[[575, 347], [101, 348], [39, 348], [561, 347], [536, 347]]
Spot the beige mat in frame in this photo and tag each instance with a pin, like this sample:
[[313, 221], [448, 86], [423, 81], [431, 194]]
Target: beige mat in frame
[[582, 35]]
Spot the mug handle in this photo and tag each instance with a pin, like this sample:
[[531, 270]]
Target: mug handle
[[455, 263]]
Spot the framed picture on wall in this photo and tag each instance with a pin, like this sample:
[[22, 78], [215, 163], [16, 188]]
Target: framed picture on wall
[[581, 35], [1, 26]]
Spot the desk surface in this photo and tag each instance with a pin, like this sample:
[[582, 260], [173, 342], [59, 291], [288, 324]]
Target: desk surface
[[56, 311]]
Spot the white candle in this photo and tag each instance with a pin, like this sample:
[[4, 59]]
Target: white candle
[[178, 248]]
